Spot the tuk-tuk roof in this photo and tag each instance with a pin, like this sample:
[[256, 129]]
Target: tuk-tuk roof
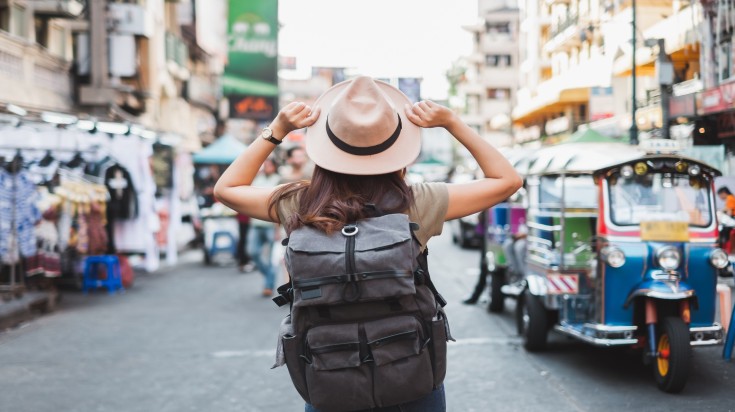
[[519, 158], [580, 158], [706, 169]]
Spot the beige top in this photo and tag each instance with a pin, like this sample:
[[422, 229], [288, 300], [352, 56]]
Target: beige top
[[431, 201]]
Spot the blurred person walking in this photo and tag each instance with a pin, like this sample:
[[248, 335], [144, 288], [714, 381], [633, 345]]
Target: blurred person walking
[[262, 233], [296, 167], [361, 145], [244, 262]]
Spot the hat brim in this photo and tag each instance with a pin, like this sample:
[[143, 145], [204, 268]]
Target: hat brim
[[326, 155]]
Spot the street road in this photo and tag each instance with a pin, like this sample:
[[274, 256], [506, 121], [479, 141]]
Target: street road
[[195, 338]]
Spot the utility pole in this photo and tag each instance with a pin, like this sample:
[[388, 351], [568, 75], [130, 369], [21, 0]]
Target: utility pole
[[634, 107]]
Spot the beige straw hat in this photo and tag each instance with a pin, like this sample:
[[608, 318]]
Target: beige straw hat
[[362, 129]]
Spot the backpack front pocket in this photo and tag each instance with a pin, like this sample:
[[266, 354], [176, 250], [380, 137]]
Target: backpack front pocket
[[372, 262], [336, 375], [398, 348]]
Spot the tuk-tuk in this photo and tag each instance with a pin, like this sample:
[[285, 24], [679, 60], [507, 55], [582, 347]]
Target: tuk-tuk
[[504, 243], [623, 252]]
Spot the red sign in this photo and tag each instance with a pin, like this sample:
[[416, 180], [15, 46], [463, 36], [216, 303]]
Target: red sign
[[252, 107], [716, 100], [682, 106]]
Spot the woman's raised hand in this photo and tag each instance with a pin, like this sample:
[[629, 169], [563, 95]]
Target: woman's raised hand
[[429, 114], [293, 116]]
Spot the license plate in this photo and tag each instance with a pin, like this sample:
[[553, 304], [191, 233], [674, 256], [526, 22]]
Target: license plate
[[562, 284], [662, 231]]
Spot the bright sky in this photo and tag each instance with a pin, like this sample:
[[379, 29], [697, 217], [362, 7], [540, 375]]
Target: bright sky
[[379, 38]]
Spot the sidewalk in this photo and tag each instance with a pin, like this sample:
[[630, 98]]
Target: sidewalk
[[18, 310]]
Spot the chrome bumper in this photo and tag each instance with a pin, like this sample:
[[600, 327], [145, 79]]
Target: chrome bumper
[[601, 335], [706, 335]]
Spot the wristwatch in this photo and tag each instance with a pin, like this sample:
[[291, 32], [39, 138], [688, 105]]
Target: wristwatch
[[267, 134]]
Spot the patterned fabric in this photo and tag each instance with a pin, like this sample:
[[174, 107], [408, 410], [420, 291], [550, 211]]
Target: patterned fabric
[[18, 216], [47, 262]]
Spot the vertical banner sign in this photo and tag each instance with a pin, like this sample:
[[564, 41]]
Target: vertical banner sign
[[250, 80]]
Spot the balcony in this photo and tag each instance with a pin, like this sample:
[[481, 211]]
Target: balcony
[[570, 20], [565, 34], [57, 8], [32, 77]]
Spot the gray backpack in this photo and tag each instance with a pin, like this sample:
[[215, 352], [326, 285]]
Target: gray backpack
[[366, 328]]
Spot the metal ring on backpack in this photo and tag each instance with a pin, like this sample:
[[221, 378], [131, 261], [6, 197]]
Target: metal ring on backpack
[[350, 233]]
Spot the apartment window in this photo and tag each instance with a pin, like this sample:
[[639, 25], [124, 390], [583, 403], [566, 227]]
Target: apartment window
[[17, 21], [57, 41], [498, 60], [41, 27], [725, 63], [492, 27], [499, 94]]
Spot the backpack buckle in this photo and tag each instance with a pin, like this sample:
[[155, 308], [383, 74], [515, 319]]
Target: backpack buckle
[[350, 230]]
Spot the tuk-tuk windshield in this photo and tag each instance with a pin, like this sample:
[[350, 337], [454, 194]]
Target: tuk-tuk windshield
[[579, 191], [659, 196]]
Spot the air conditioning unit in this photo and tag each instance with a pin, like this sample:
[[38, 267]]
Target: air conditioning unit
[[125, 18], [58, 8]]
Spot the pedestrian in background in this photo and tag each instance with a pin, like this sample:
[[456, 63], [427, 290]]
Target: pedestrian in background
[[729, 209], [243, 257], [296, 167], [262, 233], [361, 151]]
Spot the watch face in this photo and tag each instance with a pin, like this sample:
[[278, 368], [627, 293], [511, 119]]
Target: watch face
[[266, 133]]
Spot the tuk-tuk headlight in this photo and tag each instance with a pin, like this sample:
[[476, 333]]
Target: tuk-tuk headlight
[[668, 257], [719, 259], [613, 256]]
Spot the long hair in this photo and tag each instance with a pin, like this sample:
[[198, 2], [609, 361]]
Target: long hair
[[331, 200]]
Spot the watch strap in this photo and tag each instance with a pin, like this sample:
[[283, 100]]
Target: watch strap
[[274, 140]]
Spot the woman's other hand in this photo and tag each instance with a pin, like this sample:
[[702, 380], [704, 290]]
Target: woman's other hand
[[429, 114], [293, 116]]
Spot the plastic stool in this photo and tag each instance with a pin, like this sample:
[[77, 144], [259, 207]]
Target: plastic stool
[[113, 280], [232, 248]]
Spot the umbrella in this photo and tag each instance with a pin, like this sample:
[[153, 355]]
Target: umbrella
[[223, 151]]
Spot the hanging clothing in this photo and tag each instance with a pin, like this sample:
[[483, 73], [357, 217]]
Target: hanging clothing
[[47, 261], [18, 216], [123, 202]]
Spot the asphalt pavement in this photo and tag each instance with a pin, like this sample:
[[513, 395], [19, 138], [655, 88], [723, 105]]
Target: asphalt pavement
[[197, 338]]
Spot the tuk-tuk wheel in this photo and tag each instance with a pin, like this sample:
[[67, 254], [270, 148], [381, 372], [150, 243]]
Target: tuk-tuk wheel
[[532, 322], [673, 358], [497, 300]]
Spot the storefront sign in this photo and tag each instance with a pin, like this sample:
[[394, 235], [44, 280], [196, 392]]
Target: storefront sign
[[557, 126], [716, 100], [682, 106], [726, 125], [602, 103], [250, 80], [527, 134]]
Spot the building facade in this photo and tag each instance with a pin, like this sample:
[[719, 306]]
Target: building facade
[[490, 81], [134, 63]]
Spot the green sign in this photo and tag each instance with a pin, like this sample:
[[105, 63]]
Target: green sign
[[250, 80]]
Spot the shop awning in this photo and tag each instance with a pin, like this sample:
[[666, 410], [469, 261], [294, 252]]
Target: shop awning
[[550, 104], [223, 151]]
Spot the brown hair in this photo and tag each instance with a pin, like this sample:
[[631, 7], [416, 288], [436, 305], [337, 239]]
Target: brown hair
[[331, 200]]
